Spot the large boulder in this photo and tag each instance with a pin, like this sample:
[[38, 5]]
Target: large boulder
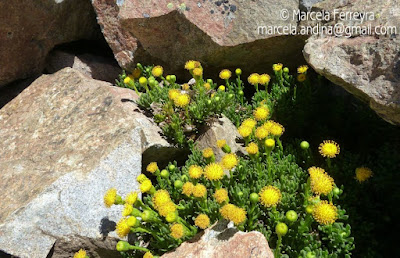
[[218, 33], [222, 241], [368, 66], [64, 141], [30, 29]]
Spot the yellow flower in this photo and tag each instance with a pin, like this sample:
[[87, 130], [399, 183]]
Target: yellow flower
[[185, 87], [221, 195], [226, 210], [128, 208], [221, 143], [136, 73], [268, 125], [127, 80], [190, 65], [277, 67], [208, 153], [302, 69], [254, 78], [166, 208], [80, 254], [148, 255], [157, 71], [173, 93], [110, 197], [182, 100], [202, 221], [264, 79], [329, 149], [146, 186], [152, 167], [131, 198], [249, 122], [122, 228], [221, 88], [198, 72], [214, 171], [195, 171], [199, 191], [207, 86], [187, 188], [261, 133], [252, 148], [363, 174], [301, 77], [325, 213], [229, 161], [276, 129], [141, 178], [261, 113], [225, 74], [143, 81], [321, 182], [160, 198], [238, 215], [270, 143], [177, 231], [270, 196], [245, 131]]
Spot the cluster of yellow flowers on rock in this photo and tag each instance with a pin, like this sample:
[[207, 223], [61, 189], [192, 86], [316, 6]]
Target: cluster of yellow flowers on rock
[[179, 98]]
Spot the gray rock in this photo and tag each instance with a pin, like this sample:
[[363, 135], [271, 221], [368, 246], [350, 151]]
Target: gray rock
[[65, 140]]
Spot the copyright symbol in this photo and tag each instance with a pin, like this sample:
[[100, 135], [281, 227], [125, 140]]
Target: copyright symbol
[[284, 14]]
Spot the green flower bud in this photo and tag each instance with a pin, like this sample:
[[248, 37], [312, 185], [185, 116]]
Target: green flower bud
[[230, 96], [254, 197], [310, 255], [123, 246], [184, 178], [209, 102], [240, 193], [171, 167], [152, 82], [171, 217], [304, 145], [309, 209], [217, 99], [241, 93], [143, 81], [178, 184], [173, 78], [336, 191], [210, 81], [149, 216], [226, 148], [238, 71], [139, 65], [164, 173], [136, 213], [286, 70], [291, 216], [148, 69], [168, 78], [281, 229]]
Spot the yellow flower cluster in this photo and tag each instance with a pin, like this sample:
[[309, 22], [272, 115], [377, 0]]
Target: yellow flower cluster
[[195, 171], [199, 191], [131, 198], [329, 149], [202, 221], [182, 100], [363, 174], [187, 189], [122, 228], [208, 153], [321, 182], [233, 213], [146, 186], [270, 196], [225, 74], [261, 113], [177, 231], [252, 148], [157, 71], [254, 78], [214, 172], [245, 131], [110, 197], [152, 167], [221, 195], [325, 213], [229, 161], [277, 67]]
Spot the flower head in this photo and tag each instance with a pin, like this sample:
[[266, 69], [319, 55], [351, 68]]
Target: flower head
[[276, 129], [127, 80], [80, 254], [195, 171], [198, 72], [160, 198], [277, 67], [261, 133], [148, 255], [264, 79], [190, 65], [363, 174], [254, 78], [187, 188], [208, 153], [166, 208], [214, 171], [202, 221], [302, 69], [140, 178], [122, 228], [207, 86], [131, 198], [301, 77], [177, 231], [325, 213], [221, 143], [245, 131], [152, 167], [252, 148], [157, 71], [270, 196], [229, 161], [110, 197], [182, 100], [221, 195], [226, 210], [185, 86], [173, 93], [225, 74], [329, 149], [261, 113], [270, 143], [249, 122], [321, 182], [128, 208], [233, 213], [136, 73], [146, 186], [199, 191]]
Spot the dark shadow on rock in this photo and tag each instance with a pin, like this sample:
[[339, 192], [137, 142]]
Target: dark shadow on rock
[[106, 226], [5, 255]]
